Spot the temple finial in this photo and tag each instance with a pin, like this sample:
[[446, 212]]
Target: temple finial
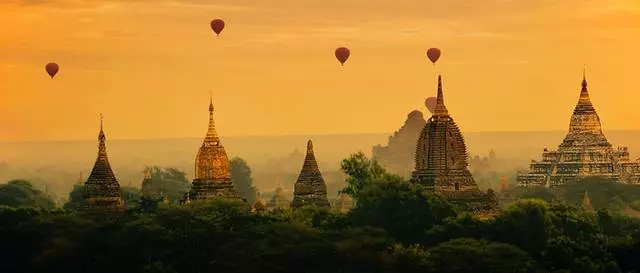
[[584, 77], [440, 108], [309, 147]]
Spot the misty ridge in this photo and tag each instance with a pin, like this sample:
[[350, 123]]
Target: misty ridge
[[274, 160]]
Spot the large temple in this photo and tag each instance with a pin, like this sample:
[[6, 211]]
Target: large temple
[[584, 152], [441, 163], [102, 190], [398, 156], [310, 188], [212, 173]]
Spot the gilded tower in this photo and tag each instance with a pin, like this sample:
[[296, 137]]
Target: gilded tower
[[441, 163], [212, 173], [584, 152], [102, 190], [310, 188]]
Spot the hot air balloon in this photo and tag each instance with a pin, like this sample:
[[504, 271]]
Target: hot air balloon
[[430, 103], [433, 54], [52, 69], [342, 54], [217, 25]]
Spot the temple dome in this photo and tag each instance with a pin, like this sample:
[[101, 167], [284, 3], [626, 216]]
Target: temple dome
[[212, 162], [585, 128]]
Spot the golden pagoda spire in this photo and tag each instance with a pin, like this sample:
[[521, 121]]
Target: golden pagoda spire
[[440, 109], [102, 148], [212, 135]]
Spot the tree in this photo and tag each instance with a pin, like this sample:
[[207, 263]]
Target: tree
[[404, 210], [170, 181], [469, 255], [241, 176], [19, 192], [362, 171]]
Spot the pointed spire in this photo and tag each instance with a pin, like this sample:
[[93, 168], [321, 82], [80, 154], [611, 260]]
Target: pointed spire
[[102, 148], [212, 135], [147, 173], [586, 202], [440, 109], [309, 147], [583, 91]]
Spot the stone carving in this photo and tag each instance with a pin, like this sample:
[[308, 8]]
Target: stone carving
[[441, 163], [584, 152], [102, 190], [310, 188], [212, 173], [398, 156]]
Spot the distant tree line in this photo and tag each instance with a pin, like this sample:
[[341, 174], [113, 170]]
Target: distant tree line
[[395, 226]]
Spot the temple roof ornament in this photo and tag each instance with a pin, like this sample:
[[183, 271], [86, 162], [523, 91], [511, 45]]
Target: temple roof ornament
[[102, 189], [310, 188]]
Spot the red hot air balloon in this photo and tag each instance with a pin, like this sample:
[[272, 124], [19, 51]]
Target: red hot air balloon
[[342, 54], [430, 103], [433, 54], [217, 25], [52, 69]]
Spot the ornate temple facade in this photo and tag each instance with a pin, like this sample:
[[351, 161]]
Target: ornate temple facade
[[441, 163], [310, 188], [584, 152], [212, 173], [398, 156], [102, 190]]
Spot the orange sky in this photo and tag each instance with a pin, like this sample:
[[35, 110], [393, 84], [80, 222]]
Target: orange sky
[[150, 66]]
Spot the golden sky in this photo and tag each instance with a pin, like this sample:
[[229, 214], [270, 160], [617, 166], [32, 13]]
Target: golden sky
[[150, 65]]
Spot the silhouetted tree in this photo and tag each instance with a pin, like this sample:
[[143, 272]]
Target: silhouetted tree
[[19, 192], [241, 176]]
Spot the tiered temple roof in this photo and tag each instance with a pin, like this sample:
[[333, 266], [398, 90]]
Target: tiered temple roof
[[584, 152], [102, 190], [212, 173], [310, 188], [441, 163], [398, 156]]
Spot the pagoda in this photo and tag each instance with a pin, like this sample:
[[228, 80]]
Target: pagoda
[[102, 190], [441, 163], [212, 172], [586, 202], [398, 156], [310, 188], [584, 152]]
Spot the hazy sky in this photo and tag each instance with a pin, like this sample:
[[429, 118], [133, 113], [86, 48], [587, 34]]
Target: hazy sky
[[150, 65]]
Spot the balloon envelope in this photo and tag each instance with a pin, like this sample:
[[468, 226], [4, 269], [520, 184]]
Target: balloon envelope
[[52, 69], [342, 54], [430, 103], [433, 54], [217, 25]]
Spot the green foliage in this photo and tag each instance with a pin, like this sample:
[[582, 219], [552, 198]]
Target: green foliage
[[17, 193], [169, 181], [361, 172], [405, 210], [242, 180]]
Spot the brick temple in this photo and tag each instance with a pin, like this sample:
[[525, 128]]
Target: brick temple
[[102, 190], [584, 152], [441, 163], [212, 173], [310, 188]]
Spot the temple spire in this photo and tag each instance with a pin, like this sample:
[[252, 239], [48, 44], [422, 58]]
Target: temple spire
[[212, 135], [440, 109], [309, 147], [102, 148]]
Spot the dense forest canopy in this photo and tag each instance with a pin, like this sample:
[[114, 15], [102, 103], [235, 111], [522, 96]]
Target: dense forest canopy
[[395, 226]]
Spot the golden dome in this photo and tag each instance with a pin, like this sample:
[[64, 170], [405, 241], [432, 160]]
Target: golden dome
[[212, 162]]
